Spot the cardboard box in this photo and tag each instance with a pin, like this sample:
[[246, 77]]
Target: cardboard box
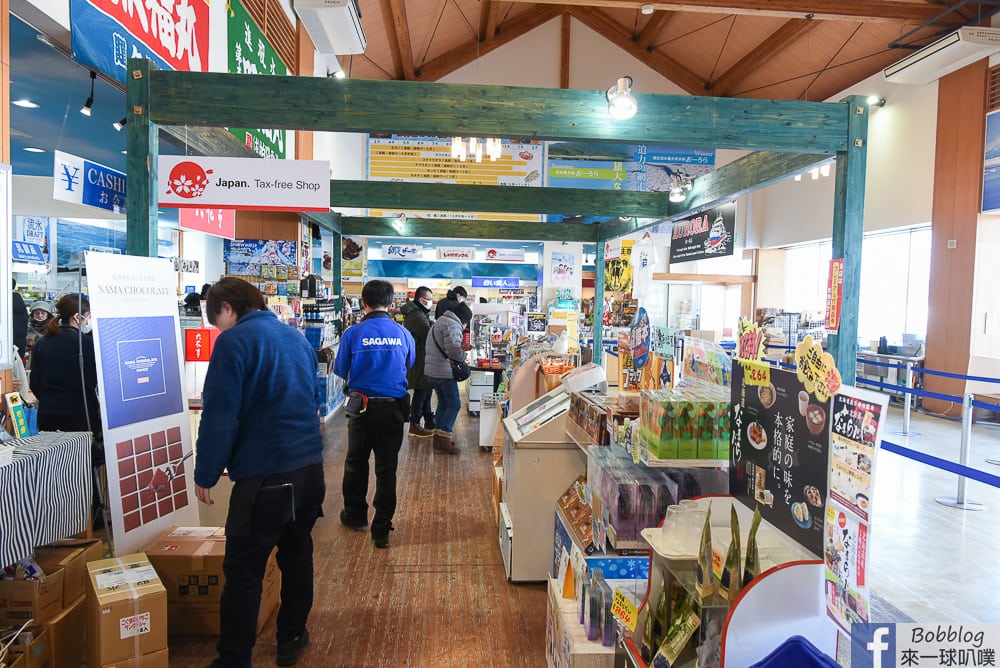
[[68, 634], [21, 600], [189, 562], [38, 652], [158, 659], [126, 610], [72, 556]]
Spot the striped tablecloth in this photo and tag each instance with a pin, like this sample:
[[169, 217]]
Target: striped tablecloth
[[44, 492]]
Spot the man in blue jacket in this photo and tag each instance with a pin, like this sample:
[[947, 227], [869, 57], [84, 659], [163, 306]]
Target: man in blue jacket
[[373, 358], [260, 419]]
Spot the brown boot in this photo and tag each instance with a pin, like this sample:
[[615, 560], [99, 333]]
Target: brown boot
[[444, 444], [420, 432]]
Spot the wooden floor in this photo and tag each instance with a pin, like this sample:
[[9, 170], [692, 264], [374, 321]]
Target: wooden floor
[[437, 597]]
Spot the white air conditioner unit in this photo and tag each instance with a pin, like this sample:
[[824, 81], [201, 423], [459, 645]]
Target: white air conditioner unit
[[333, 25], [951, 52]]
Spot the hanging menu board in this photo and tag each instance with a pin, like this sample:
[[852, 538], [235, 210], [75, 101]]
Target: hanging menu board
[[778, 458]]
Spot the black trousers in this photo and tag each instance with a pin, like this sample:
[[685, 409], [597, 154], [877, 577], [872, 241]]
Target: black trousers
[[378, 430], [274, 511], [421, 407]]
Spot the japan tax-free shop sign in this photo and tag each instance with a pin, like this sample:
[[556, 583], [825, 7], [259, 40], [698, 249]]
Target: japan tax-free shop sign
[[244, 183], [147, 431]]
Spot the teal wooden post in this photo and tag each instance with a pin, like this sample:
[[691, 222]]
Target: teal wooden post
[[338, 264], [848, 232], [142, 142], [599, 302]]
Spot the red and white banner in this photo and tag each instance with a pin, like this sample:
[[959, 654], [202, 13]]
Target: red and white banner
[[456, 253], [244, 183], [218, 222]]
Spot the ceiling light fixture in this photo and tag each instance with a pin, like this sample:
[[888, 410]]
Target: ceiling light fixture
[[621, 104], [26, 104], [88, 105], [118, 125], [646, 9], [680, 187], [876, 101], [32, 149], [491, 147]]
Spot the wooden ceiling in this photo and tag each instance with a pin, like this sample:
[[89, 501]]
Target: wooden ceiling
[[770, 49]]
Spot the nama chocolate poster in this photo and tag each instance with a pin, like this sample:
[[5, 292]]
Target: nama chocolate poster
[[707, 235], [779, 455]]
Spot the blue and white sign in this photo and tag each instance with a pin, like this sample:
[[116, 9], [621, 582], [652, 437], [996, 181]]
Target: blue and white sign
[[84, 182], [27, 252], [401, 251], [490, 282]]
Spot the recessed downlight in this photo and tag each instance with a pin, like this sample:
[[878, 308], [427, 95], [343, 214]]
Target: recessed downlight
[[25, 104]]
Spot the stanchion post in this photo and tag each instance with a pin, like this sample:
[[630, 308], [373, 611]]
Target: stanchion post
[[959, 501], [908, 399]]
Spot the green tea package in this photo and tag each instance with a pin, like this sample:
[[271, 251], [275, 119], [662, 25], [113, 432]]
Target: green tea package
[[684, 622], [648, 637], [705, 578], [660, 614], [751, 568], [731, 580]]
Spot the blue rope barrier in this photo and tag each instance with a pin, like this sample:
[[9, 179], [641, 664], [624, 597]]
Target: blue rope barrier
[[910, 390], [943, 464], [987, 406], [982, 379]]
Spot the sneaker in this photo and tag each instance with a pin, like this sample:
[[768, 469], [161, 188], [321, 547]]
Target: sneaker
[[346, 521], [289, 650], [381, 541], [420, 432]]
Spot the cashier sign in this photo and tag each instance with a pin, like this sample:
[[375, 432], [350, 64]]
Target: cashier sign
[[244, 183]]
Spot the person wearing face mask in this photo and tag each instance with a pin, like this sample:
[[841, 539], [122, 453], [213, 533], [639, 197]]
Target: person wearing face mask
[[457, 295], [41, 312], [416, 319], [65, 399]]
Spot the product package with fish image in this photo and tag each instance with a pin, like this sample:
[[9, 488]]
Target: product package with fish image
[[732, 577]]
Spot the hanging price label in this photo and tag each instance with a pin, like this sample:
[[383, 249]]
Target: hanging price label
[[756, 373], [624, 610]]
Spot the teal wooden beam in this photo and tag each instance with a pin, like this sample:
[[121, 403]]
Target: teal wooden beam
[[329, 221], [848, 234], [411, 107], [338, 269], [468, 229], [142, 141], [751, 172], [402, 196], [599, 304]]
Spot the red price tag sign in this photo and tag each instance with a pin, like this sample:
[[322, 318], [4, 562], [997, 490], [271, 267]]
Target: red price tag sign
[[624, 610], [756, 373]]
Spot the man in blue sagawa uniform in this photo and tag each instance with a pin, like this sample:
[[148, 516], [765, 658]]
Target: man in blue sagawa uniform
[[373, 359]]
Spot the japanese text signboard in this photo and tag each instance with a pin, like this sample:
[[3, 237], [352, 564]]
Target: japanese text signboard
[[173, 34], [778, 455]]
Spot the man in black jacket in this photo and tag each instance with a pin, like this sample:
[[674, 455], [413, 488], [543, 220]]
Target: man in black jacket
[[20, 319], [416, 319], [455, 296]]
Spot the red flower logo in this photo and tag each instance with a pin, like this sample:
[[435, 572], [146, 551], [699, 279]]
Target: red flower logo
[[491, 254], [188, 180]]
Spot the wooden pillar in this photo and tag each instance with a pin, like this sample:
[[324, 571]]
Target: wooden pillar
[[304, 56], [142, 140], [958, 177], [599, 302], [848, 233], [5, 81]]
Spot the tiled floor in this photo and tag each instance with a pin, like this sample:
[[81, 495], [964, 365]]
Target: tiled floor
[[933, 562]]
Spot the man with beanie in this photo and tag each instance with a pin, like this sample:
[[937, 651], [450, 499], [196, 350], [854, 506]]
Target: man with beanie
[[416, 319], [373, 359]]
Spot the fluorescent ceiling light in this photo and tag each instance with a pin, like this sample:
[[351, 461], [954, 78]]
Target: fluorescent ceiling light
[[33, 149], [26, 104]]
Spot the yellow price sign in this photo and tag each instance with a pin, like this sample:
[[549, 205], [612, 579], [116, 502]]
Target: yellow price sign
[[624, 610], [756, 373], [816, 370]]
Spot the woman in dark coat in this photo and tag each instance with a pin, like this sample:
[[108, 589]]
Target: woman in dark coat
[[416, 319]]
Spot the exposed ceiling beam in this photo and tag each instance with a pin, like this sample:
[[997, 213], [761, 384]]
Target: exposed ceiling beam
[[564, 52], [620, 36], [852, 10], [771, 47], [391, 41], [367, 105], [402, 41], [489, 19], [468, 229], [466, 53], [652, 29]]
